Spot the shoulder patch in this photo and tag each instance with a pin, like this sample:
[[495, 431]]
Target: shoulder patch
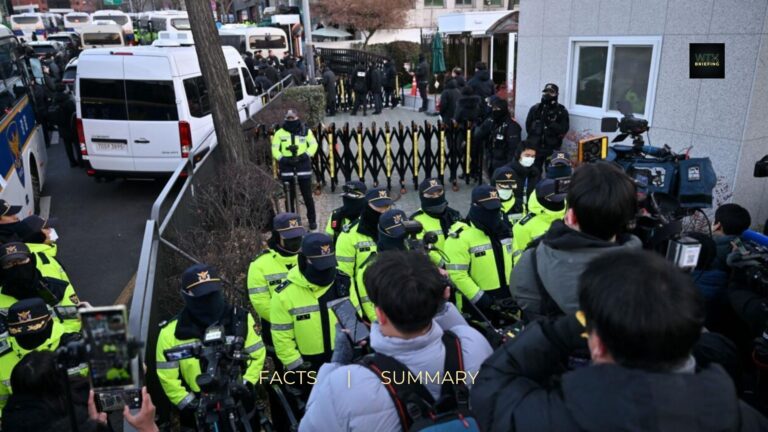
[[527, 218], [282, 286]]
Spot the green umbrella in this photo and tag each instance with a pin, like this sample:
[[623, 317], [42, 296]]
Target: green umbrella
[[438, 61]]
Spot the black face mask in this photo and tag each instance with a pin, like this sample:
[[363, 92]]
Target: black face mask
[[486, 220], [292, 126], [548, 98], [34, 340], [434, 206], [21, 281], [386, 243], [353, 207], [369, 221], [317, 277], [499, 116], [287, 247], [206, 310]]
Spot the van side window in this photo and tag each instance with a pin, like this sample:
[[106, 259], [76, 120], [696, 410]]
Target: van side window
[[237, 86], [250, 88], [103, 99], [197, 97], [151, 101]]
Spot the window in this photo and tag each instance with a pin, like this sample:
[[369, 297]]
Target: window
[[250, 88], [103, 99], [79, 19], [181, 24], [493, 2], [434, 3], [237, 85], [102, 39], [463, 3], [197, 97], [605, 71], [151, 101], [118, 19], [25, 20], [267, 42]]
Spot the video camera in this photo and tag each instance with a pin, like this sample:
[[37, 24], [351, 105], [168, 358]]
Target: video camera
[[749, 261], [221, 382]]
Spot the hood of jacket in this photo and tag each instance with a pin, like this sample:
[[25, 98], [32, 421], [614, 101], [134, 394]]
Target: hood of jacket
[[482, 75], [469, 102], [613, 398], [451, 84], [534, 206]]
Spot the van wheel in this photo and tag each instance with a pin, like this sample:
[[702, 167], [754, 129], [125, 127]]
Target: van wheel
[[35, 190]]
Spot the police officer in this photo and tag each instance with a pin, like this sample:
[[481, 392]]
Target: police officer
[[392, 236], [303, 326], [31, 327], [435, 215], [358, 240], [479, 250], [204, 305], [504, 181], [22, 278], [546, 124], [500, 135], [545, 207], [353, 198], [360, 86], [37, 233], [10, 222], [271, 267], [293, 146]]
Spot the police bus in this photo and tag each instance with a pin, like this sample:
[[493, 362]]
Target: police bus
[[24, 25], [119, 17], [22, 148], [75, 21]]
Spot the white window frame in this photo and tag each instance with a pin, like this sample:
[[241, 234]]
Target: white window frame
[[611, 42]]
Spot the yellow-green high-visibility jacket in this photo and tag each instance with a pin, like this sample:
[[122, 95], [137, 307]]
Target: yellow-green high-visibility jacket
[[178, 378], [303, 326], [359, 295], [335, 228], [532, 226], [306, 147], [45, 257], [471, 263], [266, 273], [60, 289], [352, 249], [432, 225]]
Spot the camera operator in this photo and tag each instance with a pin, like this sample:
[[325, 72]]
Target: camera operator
[[479, 250], [546, 124], [435, 215], [40, 403], [601, 203], [641, 318], [31, 327], [545, 207], [731, 220], [204, 306], [413, 317], [293, 146]]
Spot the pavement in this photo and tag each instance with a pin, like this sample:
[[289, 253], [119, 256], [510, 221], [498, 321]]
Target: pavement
[[408, 201]]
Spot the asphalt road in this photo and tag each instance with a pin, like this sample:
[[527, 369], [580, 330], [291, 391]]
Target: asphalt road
[[100, 226]]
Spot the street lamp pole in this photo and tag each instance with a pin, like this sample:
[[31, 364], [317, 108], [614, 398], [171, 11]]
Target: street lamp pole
[[309, 53]]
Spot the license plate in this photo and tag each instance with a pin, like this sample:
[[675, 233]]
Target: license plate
[[112, 147]]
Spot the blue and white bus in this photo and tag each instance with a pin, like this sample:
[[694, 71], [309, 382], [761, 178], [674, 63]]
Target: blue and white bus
[[23, 157]]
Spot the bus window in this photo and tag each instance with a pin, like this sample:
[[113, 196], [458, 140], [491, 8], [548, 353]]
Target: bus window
[[180, 23], [101, 39], [25, 19], [118, 19], [267, 42], [235, 41], [77, 19]]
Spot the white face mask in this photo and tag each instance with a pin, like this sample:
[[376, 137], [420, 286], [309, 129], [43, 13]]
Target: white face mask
[[505, 194], [527, 161]]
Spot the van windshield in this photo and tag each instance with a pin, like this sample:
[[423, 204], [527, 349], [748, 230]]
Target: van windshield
[[118, 19], [267, 42], [101, 39], [181, 24], [25, 20]]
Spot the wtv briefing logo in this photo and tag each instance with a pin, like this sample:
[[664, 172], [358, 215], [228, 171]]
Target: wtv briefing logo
[[707, 60]]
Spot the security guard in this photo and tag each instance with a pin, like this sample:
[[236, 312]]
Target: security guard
[[359, 239], [353, 197], [271, 267], [392, 236], [434, 215], [21, 278], [303, 326], [204, 305], [545, 207], [293, 146], [504, 181], [31, 327], [479, 250]]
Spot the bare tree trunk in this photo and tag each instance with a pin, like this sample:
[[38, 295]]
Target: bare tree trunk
[[368, 35], [226, 120]]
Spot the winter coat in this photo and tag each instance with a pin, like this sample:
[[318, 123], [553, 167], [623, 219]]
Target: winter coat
[[329, 82], [377, 79], [546, 127], [482, 85], [527, 179], [467, 109], [510, 394], [65, 109], [360, 80], [271, 73], [500, 141], [390, 74], [422, 72], [561, 256], [449, 99], [352, 398]]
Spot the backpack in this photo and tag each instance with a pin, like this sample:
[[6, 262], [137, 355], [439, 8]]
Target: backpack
[[416, 408]]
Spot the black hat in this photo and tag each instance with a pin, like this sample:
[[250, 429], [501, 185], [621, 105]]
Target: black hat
[[431, 185], [319, 251], [36, 223], [28, 316], [354, 189], [391, 223], [13, 251], [288, 225], [378, 197], [504, 178], [486, 196], [6, 209], [545, 191], [199, 280], [551, 87]]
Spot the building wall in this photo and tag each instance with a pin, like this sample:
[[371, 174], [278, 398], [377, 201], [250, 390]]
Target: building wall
[[723, 119], [426, 16]]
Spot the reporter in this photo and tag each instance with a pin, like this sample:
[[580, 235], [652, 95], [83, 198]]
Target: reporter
[[643, 317]]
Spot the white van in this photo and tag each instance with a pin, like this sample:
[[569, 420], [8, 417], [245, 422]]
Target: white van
[[142, 109], [250, 38], [102, 34]]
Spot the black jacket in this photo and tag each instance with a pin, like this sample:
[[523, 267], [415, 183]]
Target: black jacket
[[390, 73], [460, 81], [500, 140], [377, 79], [532, 174], [26, 413], [360, 80], [299, 77], [271, 73], [547, 125], [467, 109], [329, 82], [514, 392], [263, 83], [422, 72], [65, 108], [482, 85], [449, 100], [250, 65]]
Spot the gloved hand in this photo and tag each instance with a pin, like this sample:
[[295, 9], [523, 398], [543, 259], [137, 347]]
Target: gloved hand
[[570, 331], [192, 406], [484, 303]]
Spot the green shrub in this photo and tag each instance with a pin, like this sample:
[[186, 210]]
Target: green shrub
[[312, 97]]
